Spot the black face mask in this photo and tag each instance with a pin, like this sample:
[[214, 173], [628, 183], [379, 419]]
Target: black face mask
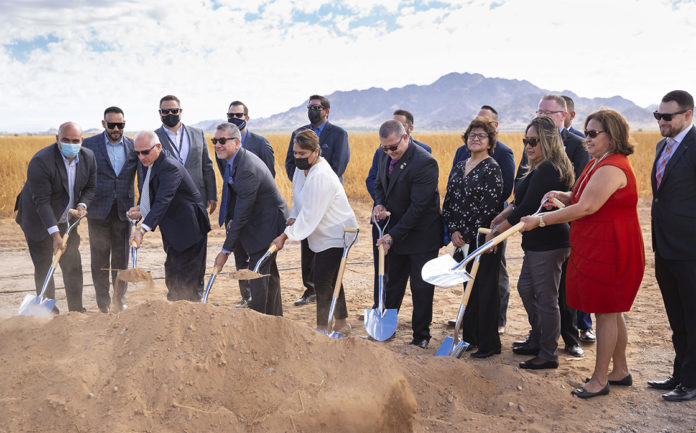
[[240, 123], [303, 163], [171, 120], [314, 116]]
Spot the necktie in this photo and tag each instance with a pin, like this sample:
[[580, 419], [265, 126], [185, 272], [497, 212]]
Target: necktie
[[664, 159], [225, 193], [392, 163], [145, 196]]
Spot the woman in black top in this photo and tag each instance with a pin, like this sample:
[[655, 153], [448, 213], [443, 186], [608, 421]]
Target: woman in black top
[[545, 251], [474, 191]]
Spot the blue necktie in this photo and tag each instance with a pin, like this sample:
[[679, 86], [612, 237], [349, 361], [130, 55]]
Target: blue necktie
[[225, 193]]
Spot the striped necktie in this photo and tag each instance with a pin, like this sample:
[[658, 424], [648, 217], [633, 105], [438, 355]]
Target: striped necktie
[[664, 159]]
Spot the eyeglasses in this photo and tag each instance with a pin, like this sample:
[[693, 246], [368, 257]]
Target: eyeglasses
[[667, 117], [166, 111], [145, 152], [547, 113], [113, 125], [315, 107], [531, 142], [479, 136], [391, 148], [592, 133], [237, 115], [222, 140]]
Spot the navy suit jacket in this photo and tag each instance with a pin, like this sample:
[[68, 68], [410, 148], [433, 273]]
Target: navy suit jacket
[[673, 215], [45, 195], [372, 174], [576, 132], [109, 185], [259, 146], [505, 158], [410, 194], [175, 204], [334, 148], [255, 207]]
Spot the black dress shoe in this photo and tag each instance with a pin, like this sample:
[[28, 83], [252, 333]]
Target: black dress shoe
[[574, 350], [420, 342], [669, 384], [525, 350], [680, 393], [481, 354], [538, 364], [580, 392], [304, 300], [626, 381], [522, 342]]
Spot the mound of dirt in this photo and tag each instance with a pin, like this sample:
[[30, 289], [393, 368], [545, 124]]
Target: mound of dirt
[[164, 366]]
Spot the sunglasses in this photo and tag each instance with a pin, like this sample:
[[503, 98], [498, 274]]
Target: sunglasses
[[222, 140], [166, 111], [667, 117], [114, 125], [237, 115], [532, 142], [315, 107], [144, 152], [391, 148], [592, 133]]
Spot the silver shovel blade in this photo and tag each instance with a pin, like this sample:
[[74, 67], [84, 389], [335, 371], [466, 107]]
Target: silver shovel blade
[[32, 305], [446, 347], [438, 272], [381, 326], [459, 349]]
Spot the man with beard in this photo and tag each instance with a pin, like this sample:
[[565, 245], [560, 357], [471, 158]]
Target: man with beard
[[333, 141]]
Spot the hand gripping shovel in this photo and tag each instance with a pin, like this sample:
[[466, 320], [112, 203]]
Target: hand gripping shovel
[[339, 280], [381, 323], [33, 305], [216, 270]]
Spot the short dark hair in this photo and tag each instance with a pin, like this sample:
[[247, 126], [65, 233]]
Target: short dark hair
[[488, 126], [616, 127], [113, 109], [391, 127], [406, 114], [570, 104], [681, 97], [491, 109], [238, 103], [324, 102], [307, 139], [170, 98]]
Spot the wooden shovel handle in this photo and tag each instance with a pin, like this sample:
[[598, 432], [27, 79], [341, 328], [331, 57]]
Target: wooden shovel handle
[[339, 277]]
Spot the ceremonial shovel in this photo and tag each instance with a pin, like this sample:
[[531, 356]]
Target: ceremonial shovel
[[380, 323]]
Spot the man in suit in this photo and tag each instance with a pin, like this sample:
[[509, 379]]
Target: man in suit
[[253, 212], [336, 151], [407, 187], [673, 233], [187, 144], [570, 104], [238, 114], [60, 177], [109, 228], [554, 107], [505, 158], [170, 199]]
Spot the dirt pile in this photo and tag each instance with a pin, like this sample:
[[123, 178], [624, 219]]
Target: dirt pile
[[164, 366]]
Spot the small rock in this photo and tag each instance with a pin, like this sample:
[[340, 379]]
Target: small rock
[[519, 387], [130, 353], [520, 408], [180, 356], [190, 328], [450, 400], [563, 387], [115, 388], [510, 404], [271, 370], [122, 331], [90, 395], [224, 324]]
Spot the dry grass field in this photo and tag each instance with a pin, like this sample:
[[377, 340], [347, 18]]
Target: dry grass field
[[16, 151]]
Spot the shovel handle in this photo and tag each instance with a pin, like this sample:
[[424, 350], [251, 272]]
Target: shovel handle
[[339, 278], [350, 230], [381, 259], [272, 249], [484, 231], [559, 204]]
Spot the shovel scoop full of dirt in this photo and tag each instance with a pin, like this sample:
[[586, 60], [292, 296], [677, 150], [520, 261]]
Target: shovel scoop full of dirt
[[135, 275]]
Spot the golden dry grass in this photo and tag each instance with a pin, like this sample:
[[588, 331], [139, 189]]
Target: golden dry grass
[[16, 151]]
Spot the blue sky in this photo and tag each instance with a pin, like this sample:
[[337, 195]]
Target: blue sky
[[68, 60]]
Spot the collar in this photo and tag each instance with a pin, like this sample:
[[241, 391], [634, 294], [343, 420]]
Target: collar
[[319, 128], [679, 137], [106, 140]]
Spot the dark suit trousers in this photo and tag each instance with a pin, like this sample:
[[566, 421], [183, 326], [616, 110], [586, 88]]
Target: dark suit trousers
[[70, 264], [326, 267], [108, 245], [569, 316], [184, 271], [265, 292], [677, 281], [241, 261], [401, 268], [307, 263]]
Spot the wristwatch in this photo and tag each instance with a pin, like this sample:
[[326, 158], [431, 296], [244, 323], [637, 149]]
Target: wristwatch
[[541, 221], [141, 230]]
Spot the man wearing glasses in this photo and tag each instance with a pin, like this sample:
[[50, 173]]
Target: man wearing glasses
[[187, 144], [109, 228], [336, 151], [673, 224]]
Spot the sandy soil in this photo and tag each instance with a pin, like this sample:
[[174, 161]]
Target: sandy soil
[[161, 366]]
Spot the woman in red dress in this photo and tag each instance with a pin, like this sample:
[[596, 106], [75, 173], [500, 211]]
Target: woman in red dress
[[606, 258]]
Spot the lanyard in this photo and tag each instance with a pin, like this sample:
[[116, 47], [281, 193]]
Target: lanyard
[[181, 144]]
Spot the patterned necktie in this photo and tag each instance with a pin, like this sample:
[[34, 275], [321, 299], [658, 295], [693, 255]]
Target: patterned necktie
[[664, 159], [392, 163], [225, 189], [145, 196]]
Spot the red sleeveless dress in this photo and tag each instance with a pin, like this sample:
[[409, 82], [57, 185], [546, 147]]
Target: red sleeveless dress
[[607, 258]]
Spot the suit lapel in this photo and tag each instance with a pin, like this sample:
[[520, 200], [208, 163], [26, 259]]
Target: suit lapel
[[187, 163], [104, 153], [400, 166], [60, 166], [674, 160]]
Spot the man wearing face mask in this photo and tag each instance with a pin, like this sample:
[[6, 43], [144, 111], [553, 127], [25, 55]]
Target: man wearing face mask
[[187, 144], [60, 177], [333, 142]]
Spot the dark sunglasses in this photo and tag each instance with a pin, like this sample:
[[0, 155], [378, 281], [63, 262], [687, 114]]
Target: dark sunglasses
[[144, 152], [391, 148], [222, 140], [170, 110], [532, 142], [315, 107], [113, 125], [592, 133], [233, 115], [667, 117]]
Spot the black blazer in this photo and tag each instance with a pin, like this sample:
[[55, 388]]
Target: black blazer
[[575, 149], [259, 146], [410, 194], [674, 202], [175, 204], [334, 148], [257, 210], [45, 195]]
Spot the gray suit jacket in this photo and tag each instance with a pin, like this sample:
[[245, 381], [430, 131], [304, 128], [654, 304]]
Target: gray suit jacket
[[198, 163]]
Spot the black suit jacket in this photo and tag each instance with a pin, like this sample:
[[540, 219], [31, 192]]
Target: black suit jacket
[[255, 207], [410, 194], [674, 202], [575, 149], [45, 195], [175, 204], [259, 146], [334, 148]]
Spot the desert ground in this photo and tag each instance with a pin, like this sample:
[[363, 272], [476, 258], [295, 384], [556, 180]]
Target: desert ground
[[181, 367]]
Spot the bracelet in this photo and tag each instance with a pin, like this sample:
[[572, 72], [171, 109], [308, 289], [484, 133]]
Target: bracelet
[[141, 230]]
